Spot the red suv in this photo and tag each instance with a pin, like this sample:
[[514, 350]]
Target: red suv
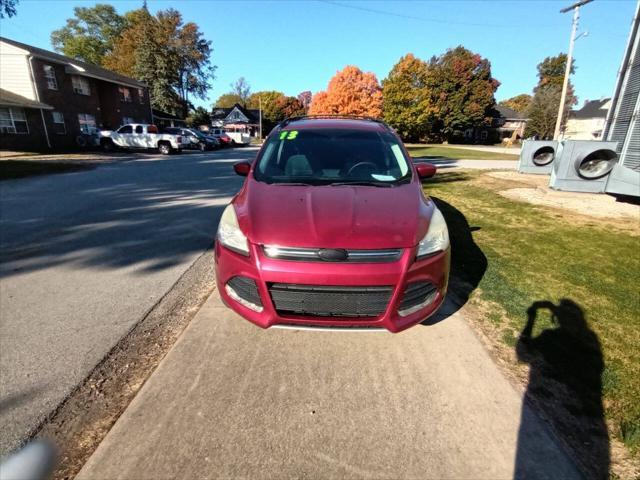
[[331, 229]]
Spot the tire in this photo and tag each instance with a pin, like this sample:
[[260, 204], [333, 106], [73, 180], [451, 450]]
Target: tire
[[202, 146], [164, 148], [107, 145]]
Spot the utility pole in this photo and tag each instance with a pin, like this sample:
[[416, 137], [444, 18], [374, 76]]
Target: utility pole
[[260, 107], [567, 72]]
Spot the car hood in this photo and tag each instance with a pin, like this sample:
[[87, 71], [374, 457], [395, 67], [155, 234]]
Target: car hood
[[333, 216]]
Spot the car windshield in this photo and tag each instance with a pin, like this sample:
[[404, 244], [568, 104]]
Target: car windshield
[[333, 157], [197, 133]]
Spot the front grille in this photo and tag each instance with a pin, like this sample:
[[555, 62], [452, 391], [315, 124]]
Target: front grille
[[329, 301], [415, 294], [246, 289], [317, 254]]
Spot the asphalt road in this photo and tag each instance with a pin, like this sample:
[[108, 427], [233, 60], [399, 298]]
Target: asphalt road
[[83, 256]]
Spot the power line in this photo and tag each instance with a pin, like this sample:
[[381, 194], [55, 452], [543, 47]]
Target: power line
[[432, 20]]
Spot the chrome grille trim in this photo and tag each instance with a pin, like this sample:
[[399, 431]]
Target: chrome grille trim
[[313, 254]]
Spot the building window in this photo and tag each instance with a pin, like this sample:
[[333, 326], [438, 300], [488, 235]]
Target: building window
[[125, 94], [50, 76], [87, 123], [141, 95], [127, 120], [13, 120], [80, 85], [58, 123]]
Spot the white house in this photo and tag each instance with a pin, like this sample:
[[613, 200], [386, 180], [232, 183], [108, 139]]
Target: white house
[[588, 122]]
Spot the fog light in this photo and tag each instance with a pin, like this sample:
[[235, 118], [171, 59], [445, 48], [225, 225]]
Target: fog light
[[427, 301], [251, 306]]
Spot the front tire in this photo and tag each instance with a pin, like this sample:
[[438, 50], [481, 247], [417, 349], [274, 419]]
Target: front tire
[[107, 145], [164, 148]]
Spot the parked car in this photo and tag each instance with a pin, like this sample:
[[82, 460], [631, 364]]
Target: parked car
[[224, 139], [143, 136], [194, 139], [331, 229]]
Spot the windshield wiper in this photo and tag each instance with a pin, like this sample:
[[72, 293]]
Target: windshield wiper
[[363, 183], [292, 184]]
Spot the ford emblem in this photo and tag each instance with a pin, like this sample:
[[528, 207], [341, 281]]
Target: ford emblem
[[333, 254]]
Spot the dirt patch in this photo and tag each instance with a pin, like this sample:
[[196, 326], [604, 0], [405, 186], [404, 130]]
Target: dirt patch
[[81, 422], [583, 207]]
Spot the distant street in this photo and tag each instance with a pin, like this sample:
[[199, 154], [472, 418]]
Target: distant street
[[84, 256]]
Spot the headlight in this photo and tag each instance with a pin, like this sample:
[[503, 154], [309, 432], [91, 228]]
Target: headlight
[[437, 237], [229, 233]]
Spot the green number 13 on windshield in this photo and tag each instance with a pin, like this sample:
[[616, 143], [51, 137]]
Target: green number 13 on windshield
[[290, 135]]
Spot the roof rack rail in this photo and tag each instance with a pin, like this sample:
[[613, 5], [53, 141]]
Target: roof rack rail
[[287, 121]]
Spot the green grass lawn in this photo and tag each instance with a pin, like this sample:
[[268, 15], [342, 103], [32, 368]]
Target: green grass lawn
[[516, 254], [437, 151], [23, 168]]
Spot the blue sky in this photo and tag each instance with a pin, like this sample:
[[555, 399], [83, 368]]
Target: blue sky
[[293, 46]]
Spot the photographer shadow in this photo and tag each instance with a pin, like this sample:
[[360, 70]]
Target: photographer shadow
[[565, 385]]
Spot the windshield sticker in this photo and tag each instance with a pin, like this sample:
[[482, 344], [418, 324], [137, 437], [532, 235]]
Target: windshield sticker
[[289, 135], [383, 178]]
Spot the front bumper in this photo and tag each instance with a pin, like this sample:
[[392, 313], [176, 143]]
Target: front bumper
[[266, 271]]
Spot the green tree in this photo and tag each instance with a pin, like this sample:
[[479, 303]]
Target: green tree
[[273, 105], [519, 103], [91, 34], [551, 70], [543, 111], [268, 100], [406, 104], [8, 8], [227, 100], [461, 90], [199, 116], [171, 57]]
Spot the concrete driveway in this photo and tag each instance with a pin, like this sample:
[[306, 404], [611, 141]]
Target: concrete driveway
[[83, 257]]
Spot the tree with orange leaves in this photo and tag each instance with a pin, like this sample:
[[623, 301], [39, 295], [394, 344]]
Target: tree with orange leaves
[[350, 92]]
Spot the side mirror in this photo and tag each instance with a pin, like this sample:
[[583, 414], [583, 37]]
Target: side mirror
[[425, 170], [242, 168]]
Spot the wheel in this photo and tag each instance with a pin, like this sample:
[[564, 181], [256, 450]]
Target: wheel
[[107, 145], [164, 148], [202, 146]]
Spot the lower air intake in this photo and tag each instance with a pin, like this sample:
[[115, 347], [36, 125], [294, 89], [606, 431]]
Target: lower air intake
[[329, 301]]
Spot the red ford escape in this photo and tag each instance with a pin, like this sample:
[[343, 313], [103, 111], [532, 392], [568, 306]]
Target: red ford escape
[[331, 230]]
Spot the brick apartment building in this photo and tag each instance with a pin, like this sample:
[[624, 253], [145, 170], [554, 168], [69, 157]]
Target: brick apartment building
[[49, 101]]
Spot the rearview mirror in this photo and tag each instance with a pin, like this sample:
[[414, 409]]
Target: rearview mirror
[[242, 168], [425, 170]]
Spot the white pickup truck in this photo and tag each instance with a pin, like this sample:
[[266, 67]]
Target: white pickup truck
[[141, 135]]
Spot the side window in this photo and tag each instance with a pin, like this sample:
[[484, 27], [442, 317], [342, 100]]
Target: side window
[[50, 76], [87, 123], [58, 123], [80, 85], [126, 129], [125, 94], [139, 129], [13, 120]]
